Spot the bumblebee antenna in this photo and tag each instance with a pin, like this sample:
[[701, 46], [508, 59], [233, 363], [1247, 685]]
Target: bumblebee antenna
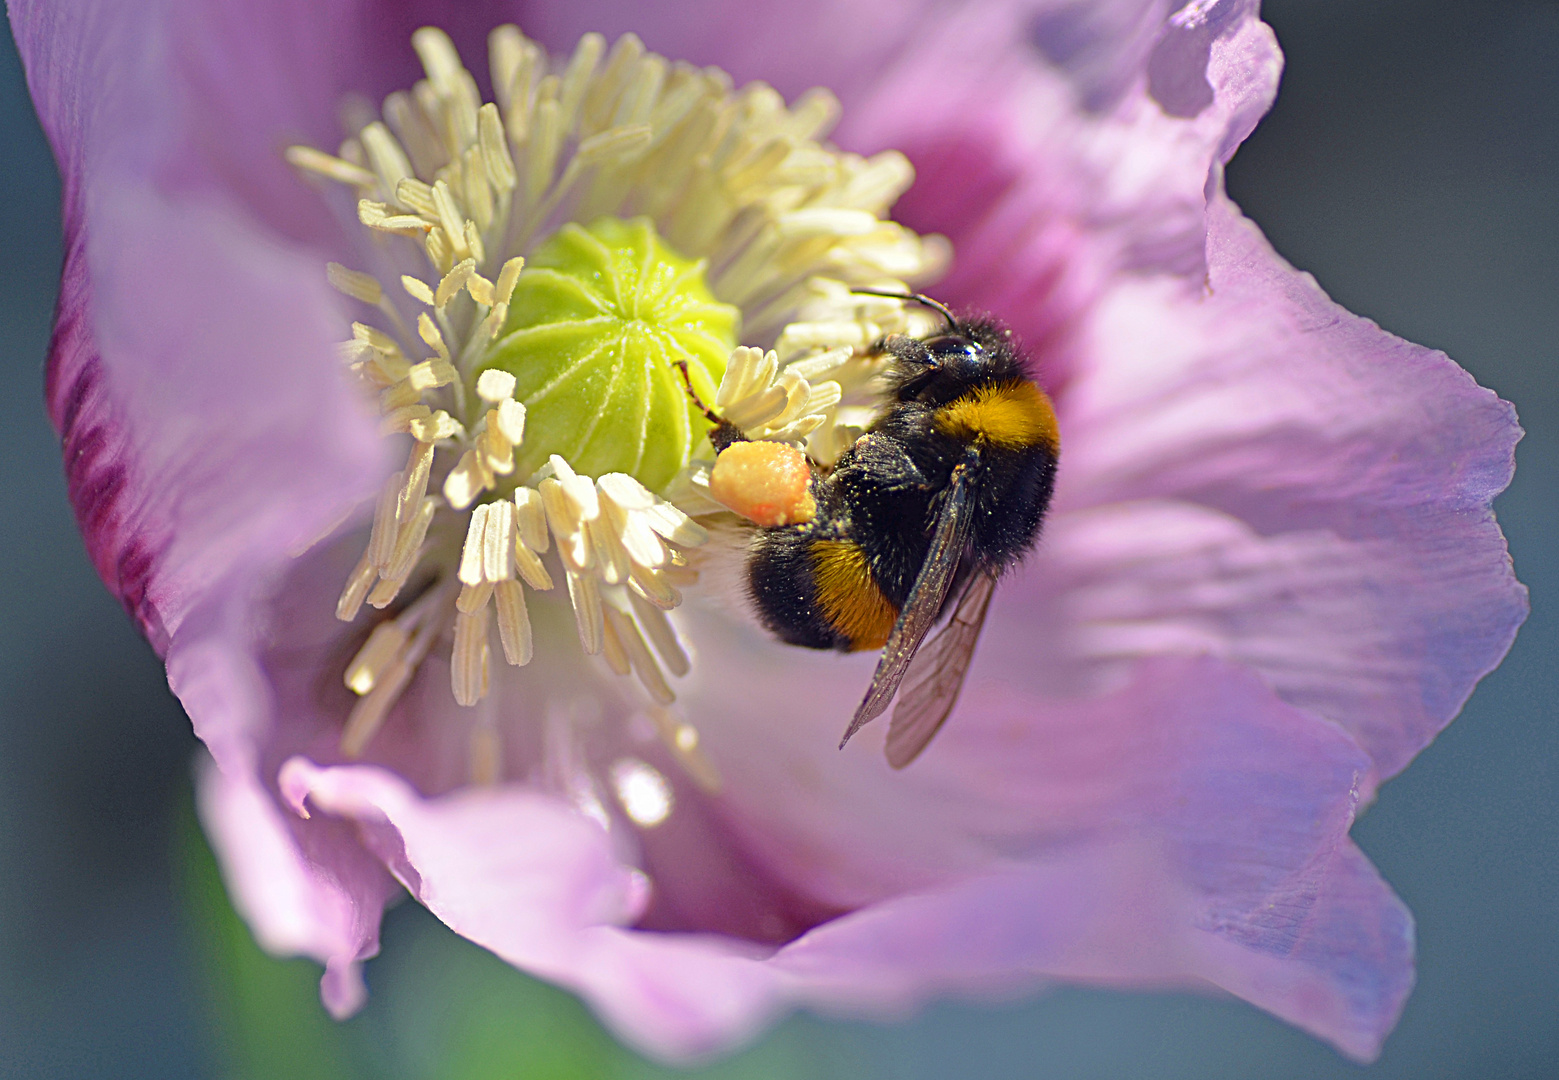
[[919, 298], [724, 432]]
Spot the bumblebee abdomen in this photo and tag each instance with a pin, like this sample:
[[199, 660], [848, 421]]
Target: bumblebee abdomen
[[816, 590], [848, 595]]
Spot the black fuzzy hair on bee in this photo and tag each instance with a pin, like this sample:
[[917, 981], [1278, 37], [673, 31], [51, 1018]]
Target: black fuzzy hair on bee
[[917, 521]]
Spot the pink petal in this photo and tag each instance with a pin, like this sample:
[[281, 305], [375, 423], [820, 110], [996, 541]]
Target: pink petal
[[297, 906], [206, 423], [1361, 467], [526, 876], [1106, 804], [1044, 201], [1187, 828]]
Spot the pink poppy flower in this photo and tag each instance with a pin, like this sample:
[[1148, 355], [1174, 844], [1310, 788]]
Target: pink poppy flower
[[1269, 577]]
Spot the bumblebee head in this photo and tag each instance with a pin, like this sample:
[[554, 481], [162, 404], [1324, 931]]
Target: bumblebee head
[[938, 370]]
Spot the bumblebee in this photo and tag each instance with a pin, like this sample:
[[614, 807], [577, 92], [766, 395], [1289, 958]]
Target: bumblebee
[[920, 517]]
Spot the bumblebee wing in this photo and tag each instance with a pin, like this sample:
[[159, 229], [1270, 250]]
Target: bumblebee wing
[[924, 603], [937, 675]]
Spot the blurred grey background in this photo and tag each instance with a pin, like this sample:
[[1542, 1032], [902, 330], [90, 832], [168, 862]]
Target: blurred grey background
[[1411, 163]]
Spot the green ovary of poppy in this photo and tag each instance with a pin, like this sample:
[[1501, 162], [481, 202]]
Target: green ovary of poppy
[[599, 319]]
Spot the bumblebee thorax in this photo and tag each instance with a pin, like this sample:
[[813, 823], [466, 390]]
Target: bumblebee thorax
[[1011, 415]]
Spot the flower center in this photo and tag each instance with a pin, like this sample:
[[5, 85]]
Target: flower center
[[600, 320], [569, 258]]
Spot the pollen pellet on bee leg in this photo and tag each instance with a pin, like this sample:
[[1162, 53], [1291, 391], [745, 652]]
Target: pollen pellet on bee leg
[[766, 482]]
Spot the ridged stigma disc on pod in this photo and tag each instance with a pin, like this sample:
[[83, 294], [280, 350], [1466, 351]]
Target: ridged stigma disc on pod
[[596, 324]]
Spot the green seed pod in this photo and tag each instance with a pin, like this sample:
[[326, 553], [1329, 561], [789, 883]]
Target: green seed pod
[[598, 321]]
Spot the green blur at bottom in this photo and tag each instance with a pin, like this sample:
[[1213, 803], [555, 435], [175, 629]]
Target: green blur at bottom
[[439, 1007]]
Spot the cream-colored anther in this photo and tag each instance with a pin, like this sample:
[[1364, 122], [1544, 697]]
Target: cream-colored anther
[[503, 291], [800, 337], [495, 149], [495, 385], [759, 409], [430, 374], [419, 465], [441, 253], [429, 333], [408, 542], [498, 542], [468, 479], [381, 540], [435, 427], [356, 590], [585, 595], [748, 370], [827, 222], [376, 339], [654, 586], [377, 216], [473, 241], [508, 420], [393, 399], [579, 489], [473, 597], [503, 430], [611, 558], [385, 156], [563, 518], [354, 283], [384, 644], [368, 715], [417, 289], [450, 219], [652, 620], [481, 290], [514, 631], [675, 526], [531, 517], [330, 167], [450, 284], [623, 502], [417, 197], [821, 366], [612, 650], [468, 662], [488, 556], [638, 654], [389, 679], [530, 567], [507, 278]]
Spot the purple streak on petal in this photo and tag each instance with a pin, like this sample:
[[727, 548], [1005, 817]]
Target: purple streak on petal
[[207, 423], [92, 442], [1267, 403]]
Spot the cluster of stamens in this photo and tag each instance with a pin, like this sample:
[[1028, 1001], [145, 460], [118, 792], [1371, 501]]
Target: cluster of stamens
[[782, 228]]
